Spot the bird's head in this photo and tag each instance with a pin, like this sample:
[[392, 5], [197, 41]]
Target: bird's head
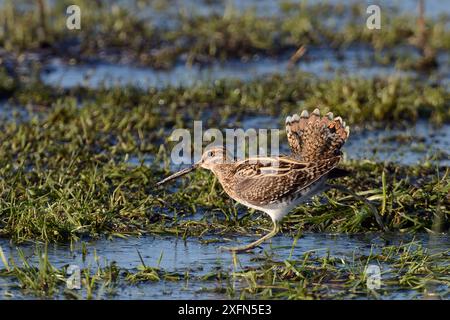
[[213, 156], [210, 158]]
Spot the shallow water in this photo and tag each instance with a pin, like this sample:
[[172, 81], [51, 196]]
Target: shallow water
[[11, 112], [167, 14], [268, 7], [409, 146], [320, 62], [201, 259]]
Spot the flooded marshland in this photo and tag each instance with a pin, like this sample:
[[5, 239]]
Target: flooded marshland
[[85, 121], [195, 269]]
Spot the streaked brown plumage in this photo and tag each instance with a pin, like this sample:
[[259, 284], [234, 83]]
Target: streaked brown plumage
[[268, 183], [312, 137], [275, 185]]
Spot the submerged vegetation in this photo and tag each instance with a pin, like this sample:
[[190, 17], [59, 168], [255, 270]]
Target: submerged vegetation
[[312, 275], [45, 280], [82, 163]]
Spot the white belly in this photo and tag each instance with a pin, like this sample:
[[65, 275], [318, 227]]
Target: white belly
[[277, 211]]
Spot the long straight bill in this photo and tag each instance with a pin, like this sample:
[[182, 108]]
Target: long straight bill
[[178, 174]]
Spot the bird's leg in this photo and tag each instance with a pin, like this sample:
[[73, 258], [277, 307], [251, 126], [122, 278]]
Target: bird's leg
[[344, 189], [276, 228]]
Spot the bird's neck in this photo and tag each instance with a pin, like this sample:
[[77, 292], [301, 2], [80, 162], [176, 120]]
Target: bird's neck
[[223, 171]]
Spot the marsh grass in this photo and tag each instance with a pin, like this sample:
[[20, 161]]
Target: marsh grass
[[408, 269], [66, 173], [363, 101], [121, 35], [119, 200], [40, 280], [145, 273], [44, 280]]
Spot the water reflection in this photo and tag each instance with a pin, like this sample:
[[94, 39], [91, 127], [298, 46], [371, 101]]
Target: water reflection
[[200, 259]]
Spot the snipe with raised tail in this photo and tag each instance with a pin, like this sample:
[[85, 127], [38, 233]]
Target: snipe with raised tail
[[276, 185]]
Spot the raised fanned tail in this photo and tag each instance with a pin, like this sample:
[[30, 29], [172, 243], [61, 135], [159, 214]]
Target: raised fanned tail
[[312, 137]]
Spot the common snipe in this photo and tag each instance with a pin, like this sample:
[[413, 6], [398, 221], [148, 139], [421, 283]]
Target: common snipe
[[275, 185]]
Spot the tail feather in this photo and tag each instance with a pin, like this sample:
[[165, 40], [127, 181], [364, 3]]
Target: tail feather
[[312, 137]]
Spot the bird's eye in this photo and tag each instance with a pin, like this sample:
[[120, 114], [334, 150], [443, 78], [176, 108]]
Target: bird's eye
[[210, 154]]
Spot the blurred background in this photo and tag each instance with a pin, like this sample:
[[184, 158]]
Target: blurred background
[[85, 120], [160, 43], [320, 53]]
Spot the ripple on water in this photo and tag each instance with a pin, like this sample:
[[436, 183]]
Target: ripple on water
[[200, 259], [319, 61]]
